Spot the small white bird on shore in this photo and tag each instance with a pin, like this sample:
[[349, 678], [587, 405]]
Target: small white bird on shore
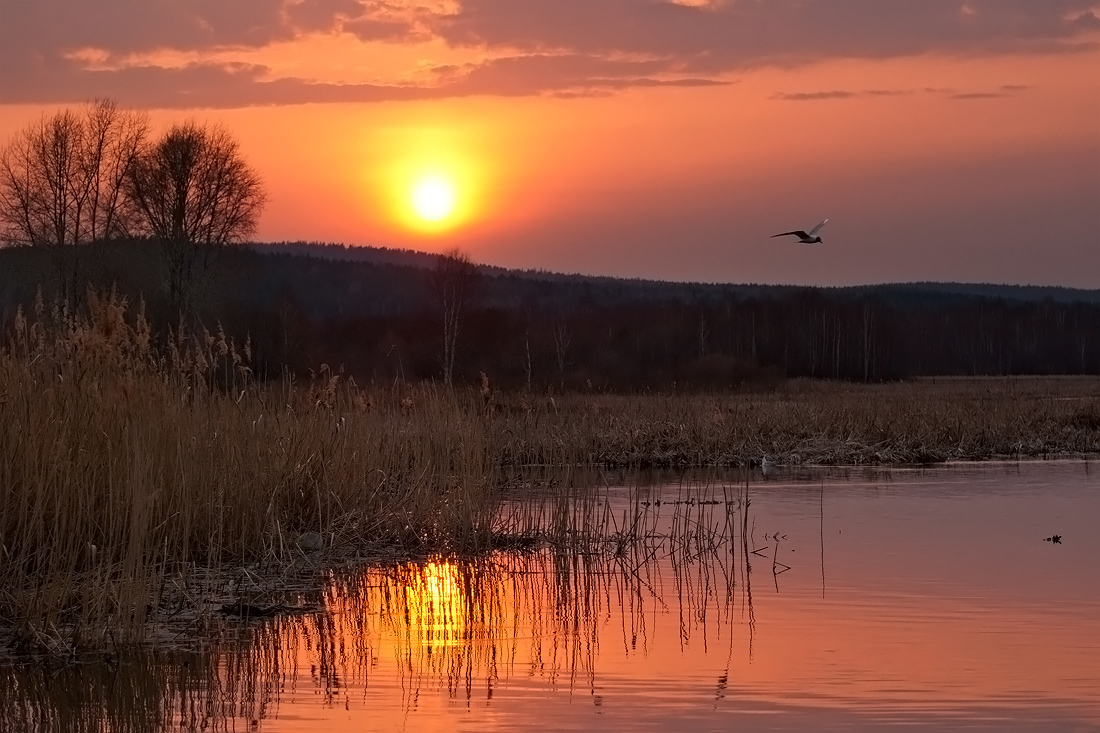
[[803, 237], [767, 466]]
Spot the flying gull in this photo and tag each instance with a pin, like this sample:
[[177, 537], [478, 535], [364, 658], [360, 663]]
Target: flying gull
[[803, 237]]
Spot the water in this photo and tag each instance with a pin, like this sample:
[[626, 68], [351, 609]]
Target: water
[[818, 599]]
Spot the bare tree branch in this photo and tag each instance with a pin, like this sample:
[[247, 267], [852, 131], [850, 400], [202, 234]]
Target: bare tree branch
[[453, 281], [62, 184], [194, 193]]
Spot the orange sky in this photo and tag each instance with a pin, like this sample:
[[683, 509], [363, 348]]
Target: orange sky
[[943, 140]]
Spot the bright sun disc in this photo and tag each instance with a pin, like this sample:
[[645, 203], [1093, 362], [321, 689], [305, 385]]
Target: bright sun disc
[[433, 198]]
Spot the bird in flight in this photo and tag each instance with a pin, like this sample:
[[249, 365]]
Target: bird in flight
[[803, 237]]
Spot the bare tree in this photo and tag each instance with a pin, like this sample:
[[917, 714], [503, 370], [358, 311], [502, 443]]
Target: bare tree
[[453, 281], [62, 184], [193, 192], [562, 340]]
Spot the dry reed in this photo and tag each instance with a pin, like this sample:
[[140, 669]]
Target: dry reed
[[927, 421], [123, 470], [127, 471], [459, 625]]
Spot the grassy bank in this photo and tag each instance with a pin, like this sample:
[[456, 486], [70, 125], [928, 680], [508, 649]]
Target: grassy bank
[[123, 471], [812, 423], [128, 471]]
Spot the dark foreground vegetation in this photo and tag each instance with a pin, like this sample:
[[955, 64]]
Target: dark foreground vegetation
[[131, 471]]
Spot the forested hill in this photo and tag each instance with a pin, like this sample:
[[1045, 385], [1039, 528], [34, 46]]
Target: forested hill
[[900, 291], [378, 314]]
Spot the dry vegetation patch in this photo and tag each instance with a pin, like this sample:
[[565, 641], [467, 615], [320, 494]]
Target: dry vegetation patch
[[132, 476], [123, 472], [816, 423]]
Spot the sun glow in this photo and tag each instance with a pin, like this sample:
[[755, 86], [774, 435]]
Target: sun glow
[[433, 198], [430, 180]]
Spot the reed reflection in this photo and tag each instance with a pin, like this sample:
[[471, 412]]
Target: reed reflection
[[635, 599], [462, 626], [139, 693], [466, 626]]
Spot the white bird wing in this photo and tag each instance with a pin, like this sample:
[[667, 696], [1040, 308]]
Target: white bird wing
[[815, 230]]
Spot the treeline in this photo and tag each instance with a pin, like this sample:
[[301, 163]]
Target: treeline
[[383, 322], [76, 180]]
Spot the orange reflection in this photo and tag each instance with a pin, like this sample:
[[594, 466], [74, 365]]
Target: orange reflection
[[706, 609], [696, 624], [436, 609], [517, 637]]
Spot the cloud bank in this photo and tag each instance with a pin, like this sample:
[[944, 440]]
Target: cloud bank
[[59, 51]]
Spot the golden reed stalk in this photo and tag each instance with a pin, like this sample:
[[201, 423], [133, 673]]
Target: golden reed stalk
[[128, 469]]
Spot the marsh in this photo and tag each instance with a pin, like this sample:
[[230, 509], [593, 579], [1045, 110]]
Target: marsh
[[835, 598]]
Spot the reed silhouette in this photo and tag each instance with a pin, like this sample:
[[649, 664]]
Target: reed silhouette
[[444, 625]]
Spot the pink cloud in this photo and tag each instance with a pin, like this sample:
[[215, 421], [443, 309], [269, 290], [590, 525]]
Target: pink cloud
[[560, 47]]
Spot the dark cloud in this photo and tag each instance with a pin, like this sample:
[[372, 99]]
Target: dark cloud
[[558, 47], [1087, 21], [739, 35], [41, 42], [321, 15], [382, 29], [57, 27], [214, 86], [571, 74], [978, 95], [814, 96], [1005, 90], [839, 94], [245, 85]]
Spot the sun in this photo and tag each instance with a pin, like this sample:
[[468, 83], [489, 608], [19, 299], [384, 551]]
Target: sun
[[433, 186], [433, 198]]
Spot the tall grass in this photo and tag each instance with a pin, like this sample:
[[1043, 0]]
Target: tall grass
[[123, 469], [127, 469], [810, 423]]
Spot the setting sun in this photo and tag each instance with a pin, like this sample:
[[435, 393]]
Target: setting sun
[[429, 181], [433, 198]]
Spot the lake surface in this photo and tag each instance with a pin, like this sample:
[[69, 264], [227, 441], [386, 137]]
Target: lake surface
[[803, 600]]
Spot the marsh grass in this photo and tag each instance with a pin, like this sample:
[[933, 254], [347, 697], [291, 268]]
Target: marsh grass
[[460, 626], [134, 471], [125, 469], [821, 423]]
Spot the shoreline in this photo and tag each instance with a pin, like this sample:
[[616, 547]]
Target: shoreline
[[126, 473], [262, 592]]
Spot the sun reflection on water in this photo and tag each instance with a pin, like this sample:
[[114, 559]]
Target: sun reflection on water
[[717, 608]]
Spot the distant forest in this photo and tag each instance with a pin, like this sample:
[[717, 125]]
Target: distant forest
[[379, 315]]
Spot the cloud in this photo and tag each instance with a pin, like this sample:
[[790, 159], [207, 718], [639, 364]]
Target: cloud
[[229, 85], [978, 95], [573, 74], [815, 96], [217, 86], [839, 94], [1005, 90], [57, 51], [740, 35]]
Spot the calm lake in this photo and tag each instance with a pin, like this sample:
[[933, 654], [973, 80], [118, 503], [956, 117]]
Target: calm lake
[[808, 599]]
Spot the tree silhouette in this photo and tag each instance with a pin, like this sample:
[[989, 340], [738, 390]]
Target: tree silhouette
[[194, 193], [62, 184], [453, 282]]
